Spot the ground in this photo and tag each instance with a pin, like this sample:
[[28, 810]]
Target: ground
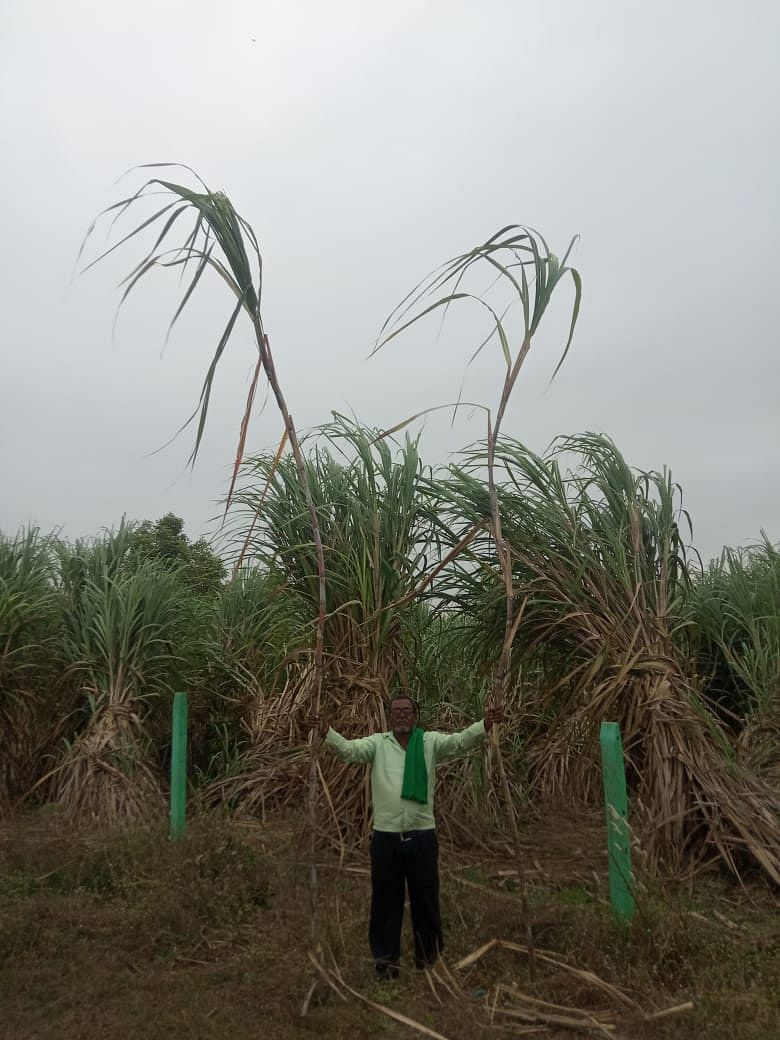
[[123, 934]]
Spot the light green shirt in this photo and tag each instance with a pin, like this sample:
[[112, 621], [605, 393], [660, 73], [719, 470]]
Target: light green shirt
[[387, 758]]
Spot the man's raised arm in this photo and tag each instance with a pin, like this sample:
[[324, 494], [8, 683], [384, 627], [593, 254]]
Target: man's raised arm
[[449, 745], [360, 750]]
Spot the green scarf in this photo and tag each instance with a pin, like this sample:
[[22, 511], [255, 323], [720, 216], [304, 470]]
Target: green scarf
[[415, 785]]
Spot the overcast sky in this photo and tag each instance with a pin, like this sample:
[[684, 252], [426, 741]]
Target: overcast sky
[[366, 143]]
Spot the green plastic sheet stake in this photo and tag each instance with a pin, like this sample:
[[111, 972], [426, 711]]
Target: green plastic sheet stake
[[621, 880], [179, 766]]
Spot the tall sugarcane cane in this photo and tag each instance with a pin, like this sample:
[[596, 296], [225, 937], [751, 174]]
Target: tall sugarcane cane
[[237, 260], [513, 248]]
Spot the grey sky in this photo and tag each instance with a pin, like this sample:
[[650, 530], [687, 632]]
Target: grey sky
[[366, 143]]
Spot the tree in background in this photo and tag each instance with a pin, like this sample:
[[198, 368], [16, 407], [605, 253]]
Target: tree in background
[[200, 569]]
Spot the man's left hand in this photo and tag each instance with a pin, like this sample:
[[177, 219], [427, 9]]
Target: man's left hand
[[494, 714]]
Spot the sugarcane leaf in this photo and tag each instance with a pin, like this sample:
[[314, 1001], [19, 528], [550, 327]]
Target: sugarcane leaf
[[427, 310], [205, 393], [574, 315], [132, 234], [242, 434], [203, 263], [137, 275], [567, 254], [418, 415], [168, 165]]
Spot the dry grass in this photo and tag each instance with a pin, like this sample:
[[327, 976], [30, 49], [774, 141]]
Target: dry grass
[[120, 932]]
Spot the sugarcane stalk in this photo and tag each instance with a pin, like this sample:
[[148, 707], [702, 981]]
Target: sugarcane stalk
[[266, 358], [499, 687], [522, 247]]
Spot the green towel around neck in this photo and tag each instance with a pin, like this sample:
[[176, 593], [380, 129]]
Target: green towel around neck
[[415, 785]]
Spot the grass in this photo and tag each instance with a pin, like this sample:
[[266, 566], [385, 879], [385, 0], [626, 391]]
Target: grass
[[120, 932]]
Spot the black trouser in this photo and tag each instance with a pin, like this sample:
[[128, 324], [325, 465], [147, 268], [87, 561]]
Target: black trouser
[[398, 860]]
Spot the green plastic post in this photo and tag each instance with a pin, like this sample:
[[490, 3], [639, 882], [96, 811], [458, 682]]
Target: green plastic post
[[179, 766], [621, 880]]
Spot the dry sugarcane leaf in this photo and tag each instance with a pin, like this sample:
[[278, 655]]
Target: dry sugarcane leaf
[[429, 980], [566, 1009], [475, 955], [554, 1013], [678, 1009], [446, 978], [564, 1021], [582, 973], [325, 975], [403, 1019]]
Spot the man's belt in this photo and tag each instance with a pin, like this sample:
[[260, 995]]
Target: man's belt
[[407, 835]]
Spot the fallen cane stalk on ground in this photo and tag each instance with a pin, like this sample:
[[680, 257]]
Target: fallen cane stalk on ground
[[581, 973], [522, 262], [238, 262]]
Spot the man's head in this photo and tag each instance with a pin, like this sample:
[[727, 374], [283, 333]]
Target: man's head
[[402, 714]]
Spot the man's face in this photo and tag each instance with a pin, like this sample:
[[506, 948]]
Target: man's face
[[403, 716]]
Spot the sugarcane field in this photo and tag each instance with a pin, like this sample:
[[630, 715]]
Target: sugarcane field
[[400, 656], [559, 589]]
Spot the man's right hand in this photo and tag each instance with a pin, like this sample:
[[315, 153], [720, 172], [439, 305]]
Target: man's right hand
[[494, 714], [317, 723]]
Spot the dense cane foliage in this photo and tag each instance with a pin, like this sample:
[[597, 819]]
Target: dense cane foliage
[[31, 660], [597, 553], [614, 620], [734, 610], [378, 520], [600, 583], [125, 639], [379, 523]]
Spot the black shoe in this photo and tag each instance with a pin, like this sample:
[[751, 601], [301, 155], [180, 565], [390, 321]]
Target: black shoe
[[387, 972]]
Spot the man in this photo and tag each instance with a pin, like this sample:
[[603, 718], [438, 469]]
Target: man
[[404, 848]]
